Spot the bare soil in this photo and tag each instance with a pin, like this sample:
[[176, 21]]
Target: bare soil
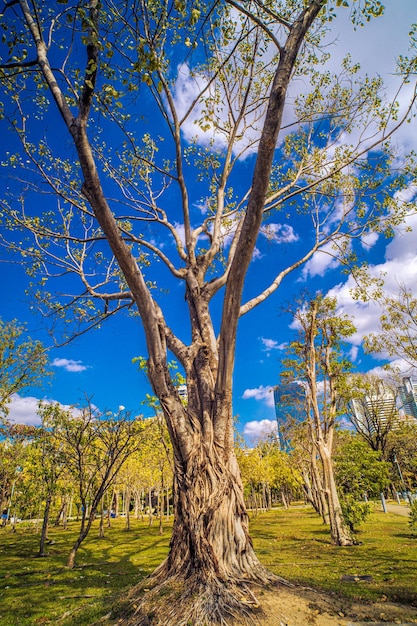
[[285, 606]]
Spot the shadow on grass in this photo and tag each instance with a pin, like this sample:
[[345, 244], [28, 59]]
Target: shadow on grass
[[44, 591]]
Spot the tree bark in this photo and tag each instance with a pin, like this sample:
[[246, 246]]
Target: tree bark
[[45, 523], [340, 534]]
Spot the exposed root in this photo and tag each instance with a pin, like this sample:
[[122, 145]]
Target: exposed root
[[193, 602]]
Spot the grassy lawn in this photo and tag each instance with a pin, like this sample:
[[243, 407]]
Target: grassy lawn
[[292, 543], [295, 545]]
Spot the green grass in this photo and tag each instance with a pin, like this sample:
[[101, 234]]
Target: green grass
[[44, 591], [293, 543]]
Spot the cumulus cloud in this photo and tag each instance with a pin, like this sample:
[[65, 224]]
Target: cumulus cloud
[[398, 268], [368, 240], [69, 365], [259, 429], [24, 410], [261, 393], [321, 261]]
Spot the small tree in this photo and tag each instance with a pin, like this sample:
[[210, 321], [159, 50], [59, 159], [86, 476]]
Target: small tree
[[51, 464], [360, 473], [96, 446], [402, 453]]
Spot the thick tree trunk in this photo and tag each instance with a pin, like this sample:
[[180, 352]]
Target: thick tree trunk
[[211, 558]]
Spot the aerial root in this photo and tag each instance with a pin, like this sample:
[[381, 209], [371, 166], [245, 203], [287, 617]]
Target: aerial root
[[193, 602]]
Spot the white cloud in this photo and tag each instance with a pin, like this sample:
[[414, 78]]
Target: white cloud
[[280, 233], [368, 240], [321, 261], [258, 429], [399, 268], [261, 393], [69, 365], [354, 353], [24, 410], [271, 344]]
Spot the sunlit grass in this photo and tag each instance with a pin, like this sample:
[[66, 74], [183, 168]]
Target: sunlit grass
[[296, 545], [44, 591], [292, 543]]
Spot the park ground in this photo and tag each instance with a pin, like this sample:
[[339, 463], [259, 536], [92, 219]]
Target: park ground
[[372, 583]]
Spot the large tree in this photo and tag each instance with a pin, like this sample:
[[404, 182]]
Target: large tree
[[161, 101]]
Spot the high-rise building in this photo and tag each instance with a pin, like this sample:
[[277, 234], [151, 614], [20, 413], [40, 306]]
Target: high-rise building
[[408, 397], [290, 406], [376, 409]]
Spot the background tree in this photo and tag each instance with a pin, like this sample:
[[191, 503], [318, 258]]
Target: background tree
[[361, 473], [398, 335], [300, 434], [96, 447], [372, 408], [102, 64], [22, 362], [51, 464], [15, 459], [402, 453], [317, 361], [286, 477]]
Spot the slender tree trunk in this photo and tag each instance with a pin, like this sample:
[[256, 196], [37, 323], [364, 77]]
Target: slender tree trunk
[[60, 512], [101, 524], [86, 523], [137, 504], [150, 510], [127, 508], [167, 503], [340, 534], [320, 499], [44, 531], [161, 510], [65, 514], [109, 509]]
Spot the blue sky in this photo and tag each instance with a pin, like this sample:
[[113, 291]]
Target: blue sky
[[99, 364]]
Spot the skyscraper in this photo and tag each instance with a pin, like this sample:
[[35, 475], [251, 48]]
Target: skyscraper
[[290, 407], [408, 397]]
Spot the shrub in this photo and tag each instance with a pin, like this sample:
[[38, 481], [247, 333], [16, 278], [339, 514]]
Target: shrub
[[354, 512], [413, 515]]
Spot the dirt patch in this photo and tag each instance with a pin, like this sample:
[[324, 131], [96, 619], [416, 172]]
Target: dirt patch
[[297, 606]]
